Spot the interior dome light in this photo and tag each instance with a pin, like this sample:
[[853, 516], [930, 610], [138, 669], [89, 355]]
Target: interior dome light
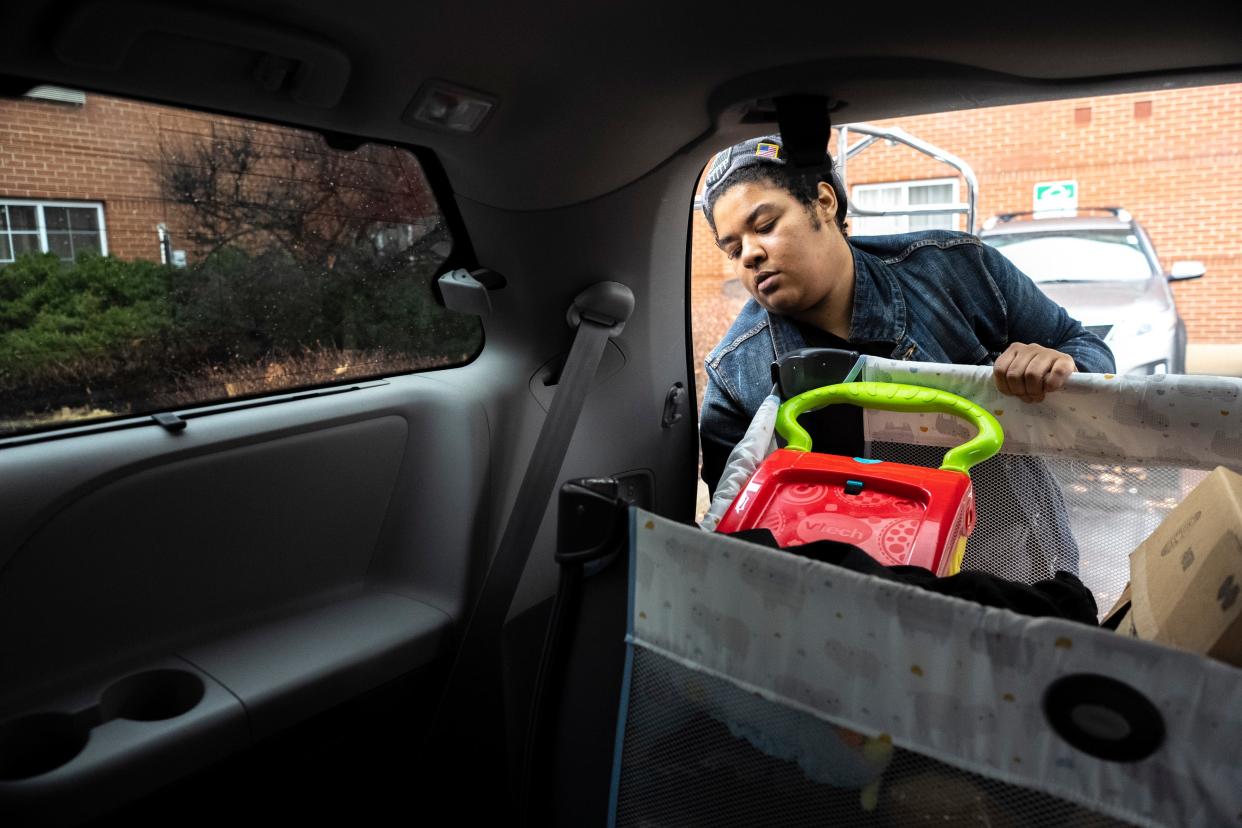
[[444, 106]]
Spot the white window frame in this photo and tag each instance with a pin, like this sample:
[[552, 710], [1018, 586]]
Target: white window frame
[[39, 204], [903, 221]]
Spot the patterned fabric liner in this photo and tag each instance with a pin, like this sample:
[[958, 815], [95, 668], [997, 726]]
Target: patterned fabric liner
[[954, 681], [1162, 420]]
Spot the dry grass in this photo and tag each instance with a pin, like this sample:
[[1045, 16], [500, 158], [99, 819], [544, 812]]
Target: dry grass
[[289, 371], [65, 415], [276, 374]]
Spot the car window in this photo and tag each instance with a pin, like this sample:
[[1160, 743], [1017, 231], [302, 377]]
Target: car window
[[153, 258], [1149, 204], [1080, 257]]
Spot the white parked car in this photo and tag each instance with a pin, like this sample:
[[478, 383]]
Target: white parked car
[[1101, 266]]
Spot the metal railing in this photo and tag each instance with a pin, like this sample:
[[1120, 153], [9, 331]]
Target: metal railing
[[898, 135]]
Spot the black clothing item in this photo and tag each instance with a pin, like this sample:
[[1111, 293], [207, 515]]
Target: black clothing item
[[816, 337], [1062, 596], [837, 429]]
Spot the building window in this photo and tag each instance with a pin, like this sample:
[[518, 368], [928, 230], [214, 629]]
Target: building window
[[900, 195], [66, 228]]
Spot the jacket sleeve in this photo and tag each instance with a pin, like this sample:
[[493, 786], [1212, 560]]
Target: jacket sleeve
[[722, 424], [1033, 317]]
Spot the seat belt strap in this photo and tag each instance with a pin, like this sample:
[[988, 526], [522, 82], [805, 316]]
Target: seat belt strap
[[473, 687]]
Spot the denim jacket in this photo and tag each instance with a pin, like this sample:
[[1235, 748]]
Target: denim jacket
[[933, 296]]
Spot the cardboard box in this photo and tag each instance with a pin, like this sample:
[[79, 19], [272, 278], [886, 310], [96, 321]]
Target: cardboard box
[[1186, 579], [1119, 618]]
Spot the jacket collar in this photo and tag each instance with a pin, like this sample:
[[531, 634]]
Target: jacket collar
[[879, 310]]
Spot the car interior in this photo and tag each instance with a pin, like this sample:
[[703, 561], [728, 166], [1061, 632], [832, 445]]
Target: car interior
[[333, 603]]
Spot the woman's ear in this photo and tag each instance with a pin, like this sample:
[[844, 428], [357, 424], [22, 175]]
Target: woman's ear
[[826, 199]]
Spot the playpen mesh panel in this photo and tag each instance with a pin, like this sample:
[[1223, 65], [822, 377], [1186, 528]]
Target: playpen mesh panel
[[690, 759], [1025, 501]]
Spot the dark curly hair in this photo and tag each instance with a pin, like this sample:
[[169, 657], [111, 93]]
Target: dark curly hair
[[803, 185]]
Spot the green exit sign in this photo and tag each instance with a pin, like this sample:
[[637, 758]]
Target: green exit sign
[[1056, 196]]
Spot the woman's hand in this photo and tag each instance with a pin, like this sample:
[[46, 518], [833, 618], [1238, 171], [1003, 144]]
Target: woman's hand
[[1028, 372]]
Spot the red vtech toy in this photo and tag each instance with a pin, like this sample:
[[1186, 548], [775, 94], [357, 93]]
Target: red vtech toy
[[897, 514]]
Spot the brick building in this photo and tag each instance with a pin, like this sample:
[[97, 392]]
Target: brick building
[[84, 172], [1173, 158], [89, 151]]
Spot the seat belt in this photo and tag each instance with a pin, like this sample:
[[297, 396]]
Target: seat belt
[[469, 723]]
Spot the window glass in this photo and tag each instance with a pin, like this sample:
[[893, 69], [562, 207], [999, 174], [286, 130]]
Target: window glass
[[877, 198], [84, 221], [898, 195], [1094, 209], [209, 259], [1088, 257], [927, 194], [84, 243], [56, 218], [82, 218], [47, 227], [23, 217], [60, 246], [25, 243]]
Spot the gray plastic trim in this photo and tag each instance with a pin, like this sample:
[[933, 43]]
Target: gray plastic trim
[[291, 669], [464, 293], [608, 303], [124, 758], [310, 69], [255, 683]]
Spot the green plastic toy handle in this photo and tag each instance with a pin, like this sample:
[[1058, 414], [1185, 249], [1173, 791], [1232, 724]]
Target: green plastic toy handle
[[892, 396]]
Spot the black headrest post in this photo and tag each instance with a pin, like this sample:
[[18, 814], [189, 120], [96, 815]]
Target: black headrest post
[[805, 125]]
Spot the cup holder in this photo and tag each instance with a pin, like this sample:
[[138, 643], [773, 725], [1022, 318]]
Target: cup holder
[[39, 743], [151, 696]]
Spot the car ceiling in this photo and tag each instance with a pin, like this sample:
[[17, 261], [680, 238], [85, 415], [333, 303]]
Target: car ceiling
[[593, 96]]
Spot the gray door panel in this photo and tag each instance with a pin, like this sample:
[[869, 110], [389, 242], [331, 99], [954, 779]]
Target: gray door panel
[[282, 559]]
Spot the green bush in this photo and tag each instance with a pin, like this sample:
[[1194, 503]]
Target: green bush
[[236, 306], [239, 305], [127, 334], [55, 314]]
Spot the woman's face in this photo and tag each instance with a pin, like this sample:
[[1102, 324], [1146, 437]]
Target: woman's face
[[788, 258]]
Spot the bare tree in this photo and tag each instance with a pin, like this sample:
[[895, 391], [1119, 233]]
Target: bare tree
[[349, 224], [255, 186]]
